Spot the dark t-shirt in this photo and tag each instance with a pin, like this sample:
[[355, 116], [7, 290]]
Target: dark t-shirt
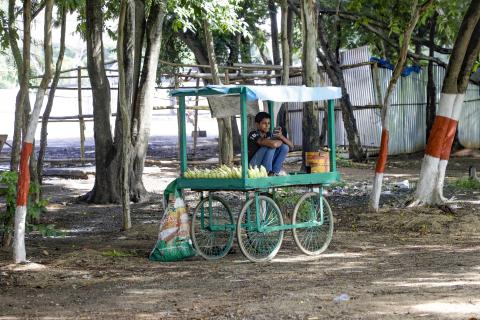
[[253, 145]]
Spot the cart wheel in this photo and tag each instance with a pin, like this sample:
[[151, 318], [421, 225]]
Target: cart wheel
[[312, 240], [214, 239], [259, 246]]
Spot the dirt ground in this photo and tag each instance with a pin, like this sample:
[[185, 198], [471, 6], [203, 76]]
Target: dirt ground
[[400, 263]]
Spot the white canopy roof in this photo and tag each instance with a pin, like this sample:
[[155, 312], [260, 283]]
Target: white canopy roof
[[285, 93]]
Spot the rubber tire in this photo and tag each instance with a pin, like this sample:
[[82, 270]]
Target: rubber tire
[[240, 237], [327, 213], [229, 243]]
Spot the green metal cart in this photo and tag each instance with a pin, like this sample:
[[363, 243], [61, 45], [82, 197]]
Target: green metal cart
[[259, 226]]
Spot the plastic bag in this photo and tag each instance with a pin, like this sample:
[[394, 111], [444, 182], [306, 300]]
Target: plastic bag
[[174, 241]]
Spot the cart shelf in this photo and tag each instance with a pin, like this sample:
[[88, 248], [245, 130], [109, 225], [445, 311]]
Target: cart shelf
[[259, 183]]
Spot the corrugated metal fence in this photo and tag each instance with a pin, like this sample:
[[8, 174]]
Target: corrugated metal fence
[[407, 114]]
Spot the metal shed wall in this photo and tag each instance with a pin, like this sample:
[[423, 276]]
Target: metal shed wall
[[407, 114]]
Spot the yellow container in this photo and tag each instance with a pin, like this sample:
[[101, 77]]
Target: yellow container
[[318, 161], [312, 155]]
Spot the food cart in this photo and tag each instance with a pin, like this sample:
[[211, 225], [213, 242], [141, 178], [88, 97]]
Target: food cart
[[259, 226]]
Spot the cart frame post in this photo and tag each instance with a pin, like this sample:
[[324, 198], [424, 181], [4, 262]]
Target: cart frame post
[[243, 123], [331, 135], [183, 138]]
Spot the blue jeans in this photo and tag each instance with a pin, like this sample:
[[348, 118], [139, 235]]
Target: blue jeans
[[271, 158]]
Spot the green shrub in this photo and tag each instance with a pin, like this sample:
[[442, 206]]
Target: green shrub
[[8, 181], [466, 183], [117, 254]]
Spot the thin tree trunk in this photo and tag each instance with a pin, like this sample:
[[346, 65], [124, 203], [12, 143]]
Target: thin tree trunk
[[245, 50], [283, 115], [431, 88], [437, 153], [51, 96], [24, 176], [310, 127], [382, 158], [285, 44], [22, 101], [290, 19], [334, 71], [225, 142], [272, 8], [19, 252], [338, 32], [144, 99], [18, 123], [125, 50], [236, 137]]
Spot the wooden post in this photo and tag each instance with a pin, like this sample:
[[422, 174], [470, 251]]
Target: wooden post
[[80, 114], [195, 122], [227, 76]]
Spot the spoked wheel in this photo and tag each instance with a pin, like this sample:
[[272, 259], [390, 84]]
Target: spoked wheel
[[312, 240], [212, 228], [259, 246]]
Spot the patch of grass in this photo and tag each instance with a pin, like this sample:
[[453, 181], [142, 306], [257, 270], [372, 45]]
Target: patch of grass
[[466, 183], [344, 162], [48, 230], [117, 254], [347, 163], [339, 184], [288, 198]]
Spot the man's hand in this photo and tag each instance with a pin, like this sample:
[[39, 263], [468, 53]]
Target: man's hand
[[277, 132]]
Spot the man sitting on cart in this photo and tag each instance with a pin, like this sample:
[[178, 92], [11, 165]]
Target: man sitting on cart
[[266, 149]]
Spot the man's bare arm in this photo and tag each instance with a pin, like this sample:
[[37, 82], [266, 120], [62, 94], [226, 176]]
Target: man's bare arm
[[270, 143]]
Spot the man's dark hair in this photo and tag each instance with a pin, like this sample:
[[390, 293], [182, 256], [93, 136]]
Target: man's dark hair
[[260, 116]]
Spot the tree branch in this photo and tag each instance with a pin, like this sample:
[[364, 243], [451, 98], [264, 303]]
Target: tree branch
[[381, 26], [393, 44], [38, 9], [294, 7]]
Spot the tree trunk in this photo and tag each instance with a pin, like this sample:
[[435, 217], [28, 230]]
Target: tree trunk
[[285, 44], [196, 46], [431, 88], [236, 137], [51, 96], [125, 58], [383, 154], [338, 33], [283, 115], [290, 18], [245, 50], [144, 99], [106, 188], [272, 8], [225, 142], [18, 122], [323, 133], [19, 252], [234, 48], [21, 96], [334, 71], [202, 57], [437, 153], [310, 127]]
